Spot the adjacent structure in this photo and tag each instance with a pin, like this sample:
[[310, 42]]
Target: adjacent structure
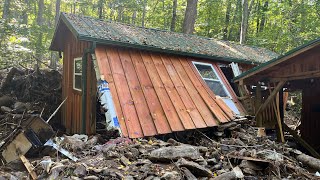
[[156, 81], [299, 69]]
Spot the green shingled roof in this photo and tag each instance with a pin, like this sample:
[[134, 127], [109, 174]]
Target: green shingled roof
[[114, 33]]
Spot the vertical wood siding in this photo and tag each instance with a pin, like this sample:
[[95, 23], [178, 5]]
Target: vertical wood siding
[[71, 111]]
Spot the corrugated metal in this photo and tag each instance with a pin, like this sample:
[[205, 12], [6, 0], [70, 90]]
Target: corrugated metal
[[158, 94], [109, 32]]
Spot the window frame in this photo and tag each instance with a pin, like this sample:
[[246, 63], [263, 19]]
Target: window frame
[[216, 80], [76, 74]]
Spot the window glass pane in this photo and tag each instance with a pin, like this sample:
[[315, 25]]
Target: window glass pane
[[77, 82], [206, 71], [217, 88], [78, 66]]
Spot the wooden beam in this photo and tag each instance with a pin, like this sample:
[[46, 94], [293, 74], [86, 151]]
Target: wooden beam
[[311, 74], [29, 167], [312, 151], [270, 98], [277, 110], [257, 103]]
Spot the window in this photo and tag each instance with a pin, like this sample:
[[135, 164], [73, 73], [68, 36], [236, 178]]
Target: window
[[77, 74], [210, 76]]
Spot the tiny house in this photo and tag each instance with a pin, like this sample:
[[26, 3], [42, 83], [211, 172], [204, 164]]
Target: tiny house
[[149, 81]]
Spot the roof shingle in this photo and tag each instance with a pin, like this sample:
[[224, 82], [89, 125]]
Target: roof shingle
[[109, 32]]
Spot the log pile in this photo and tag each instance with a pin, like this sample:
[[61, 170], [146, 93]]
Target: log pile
[[236, 152]]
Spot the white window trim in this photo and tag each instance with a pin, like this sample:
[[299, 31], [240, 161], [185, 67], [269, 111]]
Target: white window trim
[[74, 73], [209, 79]]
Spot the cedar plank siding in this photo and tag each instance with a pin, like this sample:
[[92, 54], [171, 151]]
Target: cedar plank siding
[[158, 93], [71, 112]]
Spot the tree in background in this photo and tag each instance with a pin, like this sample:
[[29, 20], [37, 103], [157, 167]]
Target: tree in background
[[27, 26]]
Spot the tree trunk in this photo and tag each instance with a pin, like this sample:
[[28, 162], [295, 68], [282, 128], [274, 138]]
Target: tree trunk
[[144, 12], [40, 23], [244, 21], [235, 19], [134, 17], [263, 16], [190, 16], [6, 9], [25, 16], [227, 21], [58, 2], [174, 15], [100, 8]]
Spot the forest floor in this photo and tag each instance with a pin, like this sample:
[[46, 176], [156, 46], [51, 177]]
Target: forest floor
[[233, 150]]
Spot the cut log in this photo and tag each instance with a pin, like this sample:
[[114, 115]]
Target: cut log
[[309, 161]]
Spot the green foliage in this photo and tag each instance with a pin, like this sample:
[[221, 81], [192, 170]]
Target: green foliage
[[279, 26]]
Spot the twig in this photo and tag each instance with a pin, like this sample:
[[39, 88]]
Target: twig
[[231, 145]]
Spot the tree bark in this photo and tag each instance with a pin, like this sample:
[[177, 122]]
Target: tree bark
[[244, 21], [25, 16], [6, 9], [100, 8], [144, 13], [58, 3], [40, 23], [227, 20], [134, 17], [190, 16], [235, 19], [174, 15], [263, 16]]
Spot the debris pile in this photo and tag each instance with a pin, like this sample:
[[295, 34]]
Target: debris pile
[[233, 150], [24, 93]]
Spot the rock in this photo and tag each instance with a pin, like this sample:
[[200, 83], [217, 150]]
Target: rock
[[212, 161], [168, 154], [187, 174], [5, 109], [93, 141], [80, 170], [128, 178], [20, 107], [6, 101], [125, 161], [195, 168], [142, 162], [91, 177], [173, 175], [250, 165], [56, 170]]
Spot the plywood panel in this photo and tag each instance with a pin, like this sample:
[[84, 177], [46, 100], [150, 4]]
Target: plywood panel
[[138, 98], [172, 92], [166, 103], [205, 94], [196, 101], [104, 68], [126, 100], [156, 110], [183, 93]]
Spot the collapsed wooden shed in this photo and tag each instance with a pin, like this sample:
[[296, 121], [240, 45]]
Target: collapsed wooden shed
[[157, 81], [298, 69]]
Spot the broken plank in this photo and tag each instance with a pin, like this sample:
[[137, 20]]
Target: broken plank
[[29, 167]]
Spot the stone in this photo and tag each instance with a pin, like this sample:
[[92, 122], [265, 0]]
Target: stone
[[173, 175], [168, 154], [91, 177], [80, 170], [194, 167]]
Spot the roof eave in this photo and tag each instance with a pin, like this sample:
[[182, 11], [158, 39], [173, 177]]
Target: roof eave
[[169, 51]]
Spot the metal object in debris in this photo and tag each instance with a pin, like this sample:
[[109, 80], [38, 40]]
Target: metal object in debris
[[61, 150]]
